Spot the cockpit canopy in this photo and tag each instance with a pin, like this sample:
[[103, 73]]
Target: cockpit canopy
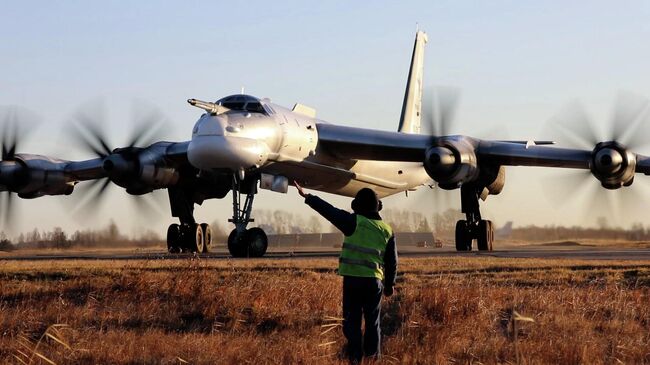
[[242, 102]]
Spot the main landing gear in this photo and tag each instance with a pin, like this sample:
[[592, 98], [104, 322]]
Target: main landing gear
[[243, 242], [473, 227], [189, 237]]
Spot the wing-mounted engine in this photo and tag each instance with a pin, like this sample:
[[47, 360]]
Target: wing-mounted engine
[[612, 164], [452, 162], [141, 170], [33, 176]]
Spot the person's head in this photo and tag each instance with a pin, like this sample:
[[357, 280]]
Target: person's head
[[366, 201]]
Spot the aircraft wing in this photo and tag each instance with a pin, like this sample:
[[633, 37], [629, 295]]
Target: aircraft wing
[[514, 154], [367, 144], [610, 162], [643, 164]]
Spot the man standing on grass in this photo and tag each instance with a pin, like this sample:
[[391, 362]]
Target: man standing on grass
[[368, 264]]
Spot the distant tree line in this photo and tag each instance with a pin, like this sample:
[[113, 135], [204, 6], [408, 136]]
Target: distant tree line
[[284, 222], [637, 232], [109, 236]]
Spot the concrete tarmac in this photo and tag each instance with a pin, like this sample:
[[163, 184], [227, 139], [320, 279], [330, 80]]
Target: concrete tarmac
[[529, 251]]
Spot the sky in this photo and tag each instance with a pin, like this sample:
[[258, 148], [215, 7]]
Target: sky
[[515, 63]]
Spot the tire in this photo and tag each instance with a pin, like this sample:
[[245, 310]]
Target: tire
[[236, 245], [199, 243], [463, 238], [207, 237], [173, 238], [257, 242], [491, 230], [485, 235]]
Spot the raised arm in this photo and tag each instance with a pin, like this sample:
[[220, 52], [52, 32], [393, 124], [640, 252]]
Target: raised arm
[[344, 221]]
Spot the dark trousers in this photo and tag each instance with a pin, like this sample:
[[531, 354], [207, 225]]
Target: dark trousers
[[362, 296]]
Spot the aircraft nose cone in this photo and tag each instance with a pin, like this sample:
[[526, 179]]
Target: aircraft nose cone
[[209, 125], [226, 152]]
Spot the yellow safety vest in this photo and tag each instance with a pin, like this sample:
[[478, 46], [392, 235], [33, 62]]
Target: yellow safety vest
[[363, 251]]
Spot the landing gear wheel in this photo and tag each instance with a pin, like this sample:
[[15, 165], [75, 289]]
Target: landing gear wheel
[[491, 246], [463, 236], [485, 235], [236, 244], [198, 239], [257, 242], [193, 237], [174, 238], [207, 237]]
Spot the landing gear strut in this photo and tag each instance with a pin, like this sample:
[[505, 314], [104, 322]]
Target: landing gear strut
[[473, 227], [244, 242]]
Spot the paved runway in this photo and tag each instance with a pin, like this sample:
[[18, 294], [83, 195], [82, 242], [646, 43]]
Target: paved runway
[[532, 251]]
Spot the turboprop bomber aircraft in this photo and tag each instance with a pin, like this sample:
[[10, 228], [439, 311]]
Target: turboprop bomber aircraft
[[242, 143]]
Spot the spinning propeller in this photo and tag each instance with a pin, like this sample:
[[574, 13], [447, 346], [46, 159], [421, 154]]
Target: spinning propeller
[[14, 123], [438, 112], [122, 165], [612, 162]]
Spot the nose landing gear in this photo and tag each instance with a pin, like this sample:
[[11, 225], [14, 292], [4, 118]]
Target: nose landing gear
[[243, 242]]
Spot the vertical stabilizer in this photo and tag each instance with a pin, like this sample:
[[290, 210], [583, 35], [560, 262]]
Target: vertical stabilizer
[[409, 121]]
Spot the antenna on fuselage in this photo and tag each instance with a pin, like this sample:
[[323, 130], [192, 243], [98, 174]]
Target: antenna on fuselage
[[242, 90]]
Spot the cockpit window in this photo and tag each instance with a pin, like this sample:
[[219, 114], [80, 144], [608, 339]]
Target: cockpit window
[[247, 103], [234, 105], [254, 107]]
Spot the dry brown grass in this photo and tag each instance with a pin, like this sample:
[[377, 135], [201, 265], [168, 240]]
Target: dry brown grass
[[446, 310]]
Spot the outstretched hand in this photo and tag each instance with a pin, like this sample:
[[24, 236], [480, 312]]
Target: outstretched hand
[[300, 190]]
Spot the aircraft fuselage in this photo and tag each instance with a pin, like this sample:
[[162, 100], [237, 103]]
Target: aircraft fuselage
[[281, 142]]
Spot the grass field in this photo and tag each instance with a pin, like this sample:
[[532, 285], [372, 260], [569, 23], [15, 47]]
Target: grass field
[[446, 310]]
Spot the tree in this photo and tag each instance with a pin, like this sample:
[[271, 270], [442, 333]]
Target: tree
[[113, 232], [314, 225], [59, 239], [423, 226], [6, 245], [602, 223]]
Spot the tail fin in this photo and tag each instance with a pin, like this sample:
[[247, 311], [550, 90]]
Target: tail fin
[[412, 107]]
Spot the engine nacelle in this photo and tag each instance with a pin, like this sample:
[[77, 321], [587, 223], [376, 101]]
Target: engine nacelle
[[33, 176], [452, 162], [158, 177], [494, 178], [612, 164], [140, 170]]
